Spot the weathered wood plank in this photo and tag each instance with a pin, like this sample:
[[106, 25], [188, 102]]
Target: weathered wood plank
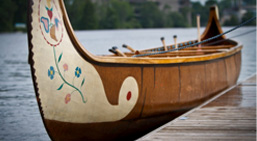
[[231, 116], [234, 138]]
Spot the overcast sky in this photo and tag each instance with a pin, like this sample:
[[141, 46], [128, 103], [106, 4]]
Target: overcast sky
[[202, 1]]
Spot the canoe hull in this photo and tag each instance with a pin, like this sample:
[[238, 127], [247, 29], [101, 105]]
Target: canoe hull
[[165, 93], [82, 96]]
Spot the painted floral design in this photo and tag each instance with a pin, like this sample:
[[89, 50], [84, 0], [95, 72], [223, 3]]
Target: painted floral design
[[50, 21], [51, 28], [65, 67], [67, 98], [77, 72], [51, 72]]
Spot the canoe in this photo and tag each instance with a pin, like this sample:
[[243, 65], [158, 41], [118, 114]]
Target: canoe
[[83, 96]]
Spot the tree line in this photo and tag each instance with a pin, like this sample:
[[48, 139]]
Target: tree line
[[121, 14]]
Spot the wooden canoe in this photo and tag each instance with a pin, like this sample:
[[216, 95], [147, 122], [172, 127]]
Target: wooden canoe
[[83, 96]]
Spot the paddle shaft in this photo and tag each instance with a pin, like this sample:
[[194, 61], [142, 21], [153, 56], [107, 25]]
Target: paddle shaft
[[198, 29], [120, 53], [164, 45], [175, 41], [131, 49]]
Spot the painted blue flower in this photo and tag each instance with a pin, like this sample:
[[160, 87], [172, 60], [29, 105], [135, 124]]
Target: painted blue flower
[[51, 72], [77, 72]]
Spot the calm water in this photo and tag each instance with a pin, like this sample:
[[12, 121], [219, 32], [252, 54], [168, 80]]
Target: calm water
[[19, 114]]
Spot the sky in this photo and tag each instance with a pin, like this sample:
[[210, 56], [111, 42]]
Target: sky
[[202, 1]]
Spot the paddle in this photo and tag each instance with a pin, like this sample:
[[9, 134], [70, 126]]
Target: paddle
[[113, 51], [175, 41], [164, 45], [118, 51], [198, 30], [129, 48]]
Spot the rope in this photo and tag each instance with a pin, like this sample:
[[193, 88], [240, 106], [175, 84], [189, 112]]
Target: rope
[[195, 44], [254, 30], [239, 35]]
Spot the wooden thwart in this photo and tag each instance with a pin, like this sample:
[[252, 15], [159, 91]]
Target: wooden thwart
[[231, 116]]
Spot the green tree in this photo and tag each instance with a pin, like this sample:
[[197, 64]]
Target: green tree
[[185, 11], [248, 16], [75, 8], [249, 2], [119, 14], [7, 14], [178, 19], [111, 19], [224, 4], [20, 15], [82, 14], [88, 19], [210, 3], [197, 8], [151, 16], [232, 21]]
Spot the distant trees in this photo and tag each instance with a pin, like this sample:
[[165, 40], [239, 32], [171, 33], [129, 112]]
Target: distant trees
[[7, 15], [11, 12], [102, 15], [82, 14], [223, 5], [178, 20], [119, 14], [198, 8], [85, 14], [247, 16], [232, 21], [150, 15]]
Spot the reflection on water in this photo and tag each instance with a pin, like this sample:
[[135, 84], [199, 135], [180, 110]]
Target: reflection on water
[[19, 114]]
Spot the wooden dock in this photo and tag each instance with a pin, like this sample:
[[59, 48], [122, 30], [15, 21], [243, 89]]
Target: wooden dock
[[231, 115]]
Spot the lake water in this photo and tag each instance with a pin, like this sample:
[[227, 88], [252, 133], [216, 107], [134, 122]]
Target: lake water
[[19, 115]]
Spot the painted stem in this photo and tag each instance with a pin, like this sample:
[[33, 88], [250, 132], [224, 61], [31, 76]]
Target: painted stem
[[64, 79]]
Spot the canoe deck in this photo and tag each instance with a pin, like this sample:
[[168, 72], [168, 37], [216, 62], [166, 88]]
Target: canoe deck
[[231, 115]]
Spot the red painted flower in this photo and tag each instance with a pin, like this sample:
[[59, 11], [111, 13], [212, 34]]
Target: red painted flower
[[67, 98], [65, 67]]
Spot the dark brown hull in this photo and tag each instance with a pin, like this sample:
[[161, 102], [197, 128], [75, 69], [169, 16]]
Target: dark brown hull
[[120, 130]]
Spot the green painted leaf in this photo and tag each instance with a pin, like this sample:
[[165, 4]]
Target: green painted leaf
[[83, 81], [60, 57], [60, 87]]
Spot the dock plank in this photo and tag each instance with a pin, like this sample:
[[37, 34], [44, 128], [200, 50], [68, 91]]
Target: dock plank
[[229, 116]]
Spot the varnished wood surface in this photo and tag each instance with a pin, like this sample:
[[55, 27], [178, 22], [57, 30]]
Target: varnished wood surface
[[230, 116]]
